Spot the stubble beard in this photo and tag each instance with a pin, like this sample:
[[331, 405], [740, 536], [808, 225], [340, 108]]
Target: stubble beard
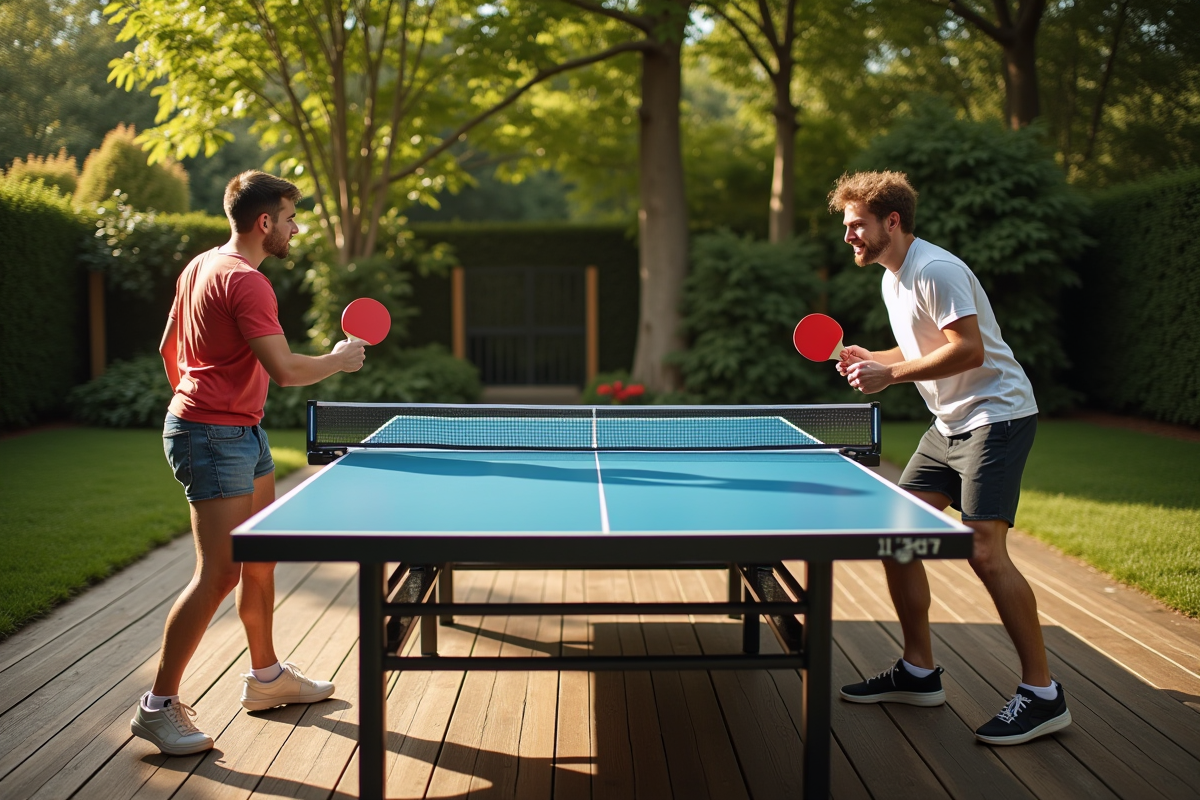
[[278, 243]]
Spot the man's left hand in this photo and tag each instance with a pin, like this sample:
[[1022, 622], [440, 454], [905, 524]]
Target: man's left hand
[[869, 377]]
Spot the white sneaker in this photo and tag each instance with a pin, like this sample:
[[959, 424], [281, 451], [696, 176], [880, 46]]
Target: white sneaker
[[170, 730], [290, 687]]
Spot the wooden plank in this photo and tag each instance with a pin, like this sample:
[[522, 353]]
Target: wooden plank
[[574, 748], [210, 679], [766, 742], [535, 775], [250, 742], [699, 752], [650, 773], [614, 776], [71, 617], [498, 763], [463, 743], [39, 718]]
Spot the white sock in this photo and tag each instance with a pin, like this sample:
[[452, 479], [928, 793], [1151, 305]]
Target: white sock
[[153, 702], [1045, 692], [916, 672], [268, 674]]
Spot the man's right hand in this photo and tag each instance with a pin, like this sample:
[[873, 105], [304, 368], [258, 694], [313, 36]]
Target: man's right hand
[[350, 353], [852, 354]]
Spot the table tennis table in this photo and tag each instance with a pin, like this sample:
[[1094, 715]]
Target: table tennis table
[[414, 492]]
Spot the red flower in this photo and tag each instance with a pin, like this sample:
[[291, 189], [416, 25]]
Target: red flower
[[604, 389]]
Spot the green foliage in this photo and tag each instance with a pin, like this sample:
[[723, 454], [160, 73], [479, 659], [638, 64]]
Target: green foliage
[[120, 167], [1134, 323], [53, 79], [741, 303], [60, 171], [130, 394], [42, 308], [386, 276], [390, 375], [996, 199]]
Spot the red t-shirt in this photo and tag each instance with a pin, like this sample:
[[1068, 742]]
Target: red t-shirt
[[221, 301]]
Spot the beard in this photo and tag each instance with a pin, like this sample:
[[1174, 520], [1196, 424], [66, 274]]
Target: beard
[[873, 249], [278, 242]]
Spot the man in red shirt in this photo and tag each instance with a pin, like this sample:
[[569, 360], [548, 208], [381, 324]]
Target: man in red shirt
[[222, 345]]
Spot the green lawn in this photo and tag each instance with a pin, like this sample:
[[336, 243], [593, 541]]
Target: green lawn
[[1126, 502], [78, 503]]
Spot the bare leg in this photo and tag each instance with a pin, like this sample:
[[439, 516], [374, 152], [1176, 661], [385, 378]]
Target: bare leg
[[256, 591], [1013, 597], [909, 587], [216, 575]]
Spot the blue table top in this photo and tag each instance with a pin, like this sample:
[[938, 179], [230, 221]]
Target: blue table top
[[485, 493]]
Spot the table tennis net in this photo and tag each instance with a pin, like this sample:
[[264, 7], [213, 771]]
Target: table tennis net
[[335, 427]]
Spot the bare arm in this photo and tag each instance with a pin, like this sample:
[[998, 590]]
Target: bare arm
[[294, 369], [168, 348], [962, 351]]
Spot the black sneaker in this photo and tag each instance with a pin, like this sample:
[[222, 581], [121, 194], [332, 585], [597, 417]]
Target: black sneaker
[[898, 685], [1026, 717]]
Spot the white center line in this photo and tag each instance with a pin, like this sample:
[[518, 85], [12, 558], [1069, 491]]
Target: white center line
[[603, 501]]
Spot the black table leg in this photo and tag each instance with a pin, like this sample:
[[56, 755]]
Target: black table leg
[[372, 715], [445, 590], [735, 587], [818, 676]]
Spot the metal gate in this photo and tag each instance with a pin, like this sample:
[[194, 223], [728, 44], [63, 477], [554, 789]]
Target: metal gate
[[526, 325]]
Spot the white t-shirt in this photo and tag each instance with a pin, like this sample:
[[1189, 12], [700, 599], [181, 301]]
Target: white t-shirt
[[932, 289]]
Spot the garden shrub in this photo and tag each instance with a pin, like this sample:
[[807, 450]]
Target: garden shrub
[[997, 200], [60, 171], [43, 313], [130, 394], [741, 302], [418, 375], [1135, 322], [120, 166]]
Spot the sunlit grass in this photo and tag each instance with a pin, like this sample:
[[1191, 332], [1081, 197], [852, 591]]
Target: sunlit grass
[[1126, 502], [76, 504]]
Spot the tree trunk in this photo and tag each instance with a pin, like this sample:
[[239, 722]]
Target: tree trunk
[[782, 213], [1020, 81], [662, 219]]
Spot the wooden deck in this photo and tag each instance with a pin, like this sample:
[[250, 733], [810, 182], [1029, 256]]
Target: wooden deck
[[69, 684]]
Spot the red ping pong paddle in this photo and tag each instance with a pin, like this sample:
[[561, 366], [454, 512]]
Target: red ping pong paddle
[[367, 320], [818, 338]]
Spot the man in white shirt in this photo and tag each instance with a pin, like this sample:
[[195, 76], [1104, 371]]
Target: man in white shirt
[[971, 458]]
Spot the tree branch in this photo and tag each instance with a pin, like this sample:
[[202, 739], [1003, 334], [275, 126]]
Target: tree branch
[[641, 23], [970, 15], [745, 37], [541, 75]]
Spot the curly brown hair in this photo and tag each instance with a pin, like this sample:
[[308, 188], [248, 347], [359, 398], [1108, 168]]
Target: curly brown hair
[[881, 192], [253, 193]]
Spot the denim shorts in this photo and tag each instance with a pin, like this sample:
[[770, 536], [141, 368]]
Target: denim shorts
[[216, 460], [980, 470]]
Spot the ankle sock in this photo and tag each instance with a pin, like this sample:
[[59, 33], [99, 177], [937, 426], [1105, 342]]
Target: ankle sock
[[154, 702], [916, 672], [268, 674], [1044, 692]]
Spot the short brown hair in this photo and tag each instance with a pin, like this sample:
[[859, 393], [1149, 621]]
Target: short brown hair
[[253, 193], [881, 192]]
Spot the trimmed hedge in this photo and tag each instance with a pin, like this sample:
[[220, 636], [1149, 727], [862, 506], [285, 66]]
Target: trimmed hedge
[[43, 311], [610, 248], [1135, 322]]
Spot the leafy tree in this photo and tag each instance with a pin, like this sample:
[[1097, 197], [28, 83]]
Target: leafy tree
[[59, 171], [120, 166], [362, 102], [53, 68], [997, 200]]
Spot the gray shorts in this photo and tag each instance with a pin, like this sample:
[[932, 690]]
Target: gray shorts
[[980, 470]]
